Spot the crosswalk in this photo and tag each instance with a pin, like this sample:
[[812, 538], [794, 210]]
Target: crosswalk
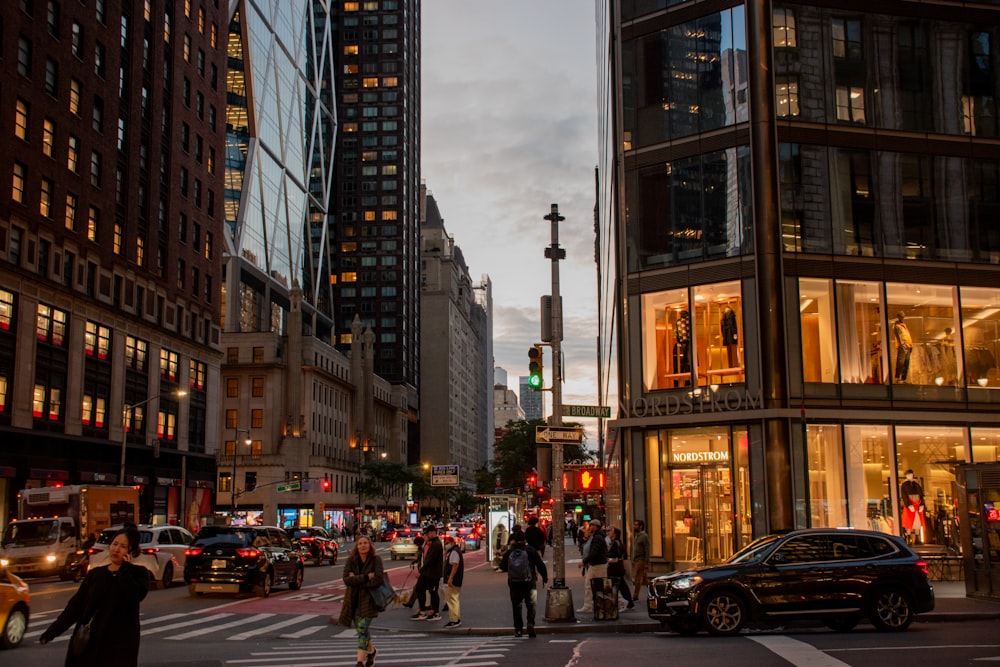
[[413, 650], [306, 640]]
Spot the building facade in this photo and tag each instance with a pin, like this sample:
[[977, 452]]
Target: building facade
[[532, 401], [803, 199], [456, 402], [111, 249]]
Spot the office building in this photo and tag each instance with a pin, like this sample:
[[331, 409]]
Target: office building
[[111, 249], [456, 402], [808, 265], [532, 401]]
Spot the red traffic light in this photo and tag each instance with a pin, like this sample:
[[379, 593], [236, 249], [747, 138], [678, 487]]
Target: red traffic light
[[326, 483]]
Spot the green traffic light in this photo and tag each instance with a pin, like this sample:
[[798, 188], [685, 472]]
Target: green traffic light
[[534, 381]]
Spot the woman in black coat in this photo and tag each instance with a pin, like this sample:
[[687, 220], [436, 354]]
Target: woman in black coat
[[110, 596], [363, 571]]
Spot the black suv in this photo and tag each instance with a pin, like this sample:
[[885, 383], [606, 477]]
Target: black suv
[[835, 576], [232, 559], [315, 543]]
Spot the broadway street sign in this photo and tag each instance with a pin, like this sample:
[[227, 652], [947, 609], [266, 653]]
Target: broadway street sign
[[599, 411]]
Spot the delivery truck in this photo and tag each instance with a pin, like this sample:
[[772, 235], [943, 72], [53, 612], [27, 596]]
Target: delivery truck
[[54, 524]]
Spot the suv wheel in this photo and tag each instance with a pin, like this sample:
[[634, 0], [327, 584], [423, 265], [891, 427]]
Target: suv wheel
[[723, 614], [168, 576], [264, 590], [296, 582], [891, 610]]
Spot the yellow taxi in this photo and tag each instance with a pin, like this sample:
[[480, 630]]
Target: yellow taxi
[[14, 605]]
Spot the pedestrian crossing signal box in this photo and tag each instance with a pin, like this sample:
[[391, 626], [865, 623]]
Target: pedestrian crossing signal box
[[583, 480]]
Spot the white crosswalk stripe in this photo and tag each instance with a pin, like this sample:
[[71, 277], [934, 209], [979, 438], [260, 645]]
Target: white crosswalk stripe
[[415, 650]]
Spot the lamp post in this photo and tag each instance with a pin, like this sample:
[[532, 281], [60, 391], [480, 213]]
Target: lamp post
[[236, 440], [126, 411]]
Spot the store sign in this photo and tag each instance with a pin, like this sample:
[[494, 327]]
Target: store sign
[[700, 457], [991, 513], [727, 400]]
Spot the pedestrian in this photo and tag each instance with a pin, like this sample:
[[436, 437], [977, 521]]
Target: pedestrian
[[363, 571], [594, 562], [535, 536], [523, 565], [617, 558], [454, 573], [429, 576], [640, 556], [107, 602]]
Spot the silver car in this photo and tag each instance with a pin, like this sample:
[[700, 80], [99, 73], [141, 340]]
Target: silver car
[[161, 551]]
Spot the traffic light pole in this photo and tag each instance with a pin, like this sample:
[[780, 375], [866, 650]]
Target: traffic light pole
[[559, 598]]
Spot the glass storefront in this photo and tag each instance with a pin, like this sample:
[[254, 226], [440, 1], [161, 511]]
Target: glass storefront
[[701, 493], [920, 336], [693, 336]]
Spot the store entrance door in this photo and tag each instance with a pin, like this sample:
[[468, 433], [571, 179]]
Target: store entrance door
[[703, 515]]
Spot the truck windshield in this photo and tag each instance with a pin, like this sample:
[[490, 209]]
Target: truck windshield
[[30, 533]]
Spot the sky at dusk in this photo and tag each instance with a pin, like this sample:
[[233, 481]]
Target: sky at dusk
[[509, 128]]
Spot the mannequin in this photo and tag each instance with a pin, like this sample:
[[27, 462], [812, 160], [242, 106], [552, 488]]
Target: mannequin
[[904, 346], [730, 335], [682, 346], [911, 497]]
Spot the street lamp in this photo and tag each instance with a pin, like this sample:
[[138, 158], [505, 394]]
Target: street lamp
[[248, 442], [126, 411]]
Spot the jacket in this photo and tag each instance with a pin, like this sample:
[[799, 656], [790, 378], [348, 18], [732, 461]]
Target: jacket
[[537, 565], [460, 572], [535, 536], [358, 597], [112, 600], [640, 547], [597, 553], [433, 562]]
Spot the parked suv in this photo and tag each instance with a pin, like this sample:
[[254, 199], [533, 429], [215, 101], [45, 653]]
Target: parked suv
[[161, 551], [835, 576], [232, 559]]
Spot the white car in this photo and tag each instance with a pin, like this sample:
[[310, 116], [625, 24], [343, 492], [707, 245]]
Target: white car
[[161, 551]]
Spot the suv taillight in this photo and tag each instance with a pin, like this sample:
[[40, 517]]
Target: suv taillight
[[194, 551], [922, 566], [150, 550], [248, 552]]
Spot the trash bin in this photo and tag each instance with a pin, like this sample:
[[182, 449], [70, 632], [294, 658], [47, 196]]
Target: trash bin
[[605, 591]]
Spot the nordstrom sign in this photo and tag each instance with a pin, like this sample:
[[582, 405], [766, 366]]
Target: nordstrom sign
[[727, 400]]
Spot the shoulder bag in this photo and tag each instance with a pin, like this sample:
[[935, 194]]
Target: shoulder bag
[[384, 595], [81, 638]]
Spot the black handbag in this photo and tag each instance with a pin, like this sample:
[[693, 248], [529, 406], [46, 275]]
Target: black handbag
[[81, 638], [384, 595]]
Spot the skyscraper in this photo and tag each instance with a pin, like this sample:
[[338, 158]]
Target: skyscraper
[[110, 248], [532, 401], [807, 265], [374, 219]]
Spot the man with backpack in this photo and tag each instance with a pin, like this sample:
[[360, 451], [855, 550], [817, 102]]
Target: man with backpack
[[523, 564]]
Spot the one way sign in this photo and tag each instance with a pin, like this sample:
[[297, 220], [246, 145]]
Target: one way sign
[[549, 434]]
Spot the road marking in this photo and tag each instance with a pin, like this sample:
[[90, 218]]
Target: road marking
[[797, 652], [912, 647], [205, 619], [216, 628], [303, 633], [274, 626]]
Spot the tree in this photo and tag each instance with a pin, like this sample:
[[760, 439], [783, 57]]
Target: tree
[[516, 454], [385, 479]]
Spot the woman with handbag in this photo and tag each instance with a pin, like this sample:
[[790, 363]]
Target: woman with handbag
[[104, 612], [616, 566], [363, 572]]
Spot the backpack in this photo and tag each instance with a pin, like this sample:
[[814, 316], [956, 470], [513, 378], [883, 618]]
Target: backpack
[[519, 566]]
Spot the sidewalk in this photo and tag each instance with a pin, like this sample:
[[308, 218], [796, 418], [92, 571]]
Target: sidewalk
[[486, 610]]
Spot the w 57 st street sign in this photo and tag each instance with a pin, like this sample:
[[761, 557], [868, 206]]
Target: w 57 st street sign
[[550, 434]]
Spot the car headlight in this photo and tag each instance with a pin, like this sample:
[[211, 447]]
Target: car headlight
[[50, 558], [684, 583], [4, 562]]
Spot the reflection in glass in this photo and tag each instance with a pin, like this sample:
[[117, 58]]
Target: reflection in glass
[[869, 476], [923, 320], [816, 318], [986, 445], [827, 492], [981, 333]]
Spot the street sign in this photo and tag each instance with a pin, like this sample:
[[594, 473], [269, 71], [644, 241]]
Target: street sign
[[599, 411], [549, 434], [291, 486], [444, 475]]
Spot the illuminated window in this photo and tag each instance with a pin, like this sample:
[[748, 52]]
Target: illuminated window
[[72, 152], [135, 353], [50, 325], [3, 393], [48, 136], [140, 251], [197, 372], [21, 120], [6, 309], [786, 93], [850, 104], [369, 215], [232, 419], [74, 97], [17, 186], [93, 218], [97, 341], [348, 277], [256, 418], [232, 387], [169, 361], [784, 28], [166, 426], [257, 385], [390, 81], [45, 198], [351, 7], [351, 50], [369, 82], [117, 241]]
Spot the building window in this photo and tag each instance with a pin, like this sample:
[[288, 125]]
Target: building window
[[6, 310], [784, 28], [74, 97], [787, 96], [95, 169], [257, 387], [232, 387], [71, 211], [50, 325], [72, 153], [169, 362], [76, 39], [97, 341], [258, 355], [99, 64], [21, 120], [45, 198], [232, 419], [48, 136], [17, 186], [256, 418], [850, 104], [135, 353], [846, 38], [117, 240], [233, 355], [47, 402], [24, 57], [197, 372], [93, 218]]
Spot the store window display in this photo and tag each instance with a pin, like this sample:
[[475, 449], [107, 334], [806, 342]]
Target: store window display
[[819, 348], [827, 490], [869, 475], [981, 331], [718, 341], [926, 457], [666, 335], [860, 332], [922, 334]]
